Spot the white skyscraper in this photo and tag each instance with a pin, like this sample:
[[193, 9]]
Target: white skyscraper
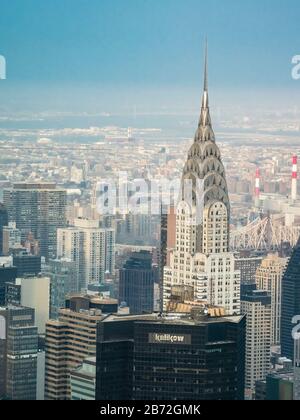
[[90, 247], [201, 259]]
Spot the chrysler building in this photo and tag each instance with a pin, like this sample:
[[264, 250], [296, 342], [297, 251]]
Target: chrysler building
[[201, 267]]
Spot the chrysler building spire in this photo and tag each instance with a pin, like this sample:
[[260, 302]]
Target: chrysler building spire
[[205, 89], [204, 157], [201, 265], [204, 116]]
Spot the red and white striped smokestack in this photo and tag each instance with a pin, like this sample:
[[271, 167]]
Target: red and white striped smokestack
[[257, 188], [294, 178], [257, 184]]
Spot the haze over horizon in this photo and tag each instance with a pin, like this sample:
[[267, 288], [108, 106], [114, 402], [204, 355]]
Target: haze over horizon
[[112, 56]]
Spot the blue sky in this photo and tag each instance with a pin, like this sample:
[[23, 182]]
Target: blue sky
[[149, 43]]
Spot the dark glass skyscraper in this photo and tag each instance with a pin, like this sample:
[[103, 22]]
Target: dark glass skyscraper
[[136, 286], [290, 305], [27, 264], [3, 222], [152, 357], [7, 275], [18, 353]]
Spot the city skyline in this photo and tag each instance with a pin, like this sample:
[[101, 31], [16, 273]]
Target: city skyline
[[149, 236]]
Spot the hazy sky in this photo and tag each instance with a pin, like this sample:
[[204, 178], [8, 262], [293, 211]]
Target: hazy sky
[[152, 44]]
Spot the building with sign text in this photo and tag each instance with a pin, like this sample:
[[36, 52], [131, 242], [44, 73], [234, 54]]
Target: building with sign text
[[165, 357]]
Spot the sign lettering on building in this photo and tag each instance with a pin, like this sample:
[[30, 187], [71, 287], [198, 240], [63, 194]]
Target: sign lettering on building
[[163, 338]]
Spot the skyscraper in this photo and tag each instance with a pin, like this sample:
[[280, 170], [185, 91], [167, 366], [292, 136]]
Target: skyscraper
[[269, 278], [202, 259], [83, 381], [90, 247], [256, 305], [27, 264], [167, 243], [35, 293], [63, 281], [136, 283], [11, 238], [153, 357], [18, 353], [8, 274], [38, 209], [3, 222], [290, 302], [247, 263], [163, 252], [70, 340]]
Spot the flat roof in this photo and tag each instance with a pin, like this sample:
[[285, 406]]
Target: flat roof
[[175, 319]]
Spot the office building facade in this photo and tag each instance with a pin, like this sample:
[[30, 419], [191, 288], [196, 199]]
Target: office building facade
[[83, 381], [63, 281], [38, 209], [290, 302], [18, 351], [69, 341], [248, 264], [27, 264], [8, 274], [91, 248], [136, 283], [3, 222], [167, 242], [11, 238], [269, 278], [256, 305], [35, 293], [12, 294], [153, 357]]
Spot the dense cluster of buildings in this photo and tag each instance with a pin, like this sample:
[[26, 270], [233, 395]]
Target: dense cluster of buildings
[[134, 307]]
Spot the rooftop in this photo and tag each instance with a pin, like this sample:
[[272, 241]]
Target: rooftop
[[35, 186], [285, 376], [94, 298], [174, 319]]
